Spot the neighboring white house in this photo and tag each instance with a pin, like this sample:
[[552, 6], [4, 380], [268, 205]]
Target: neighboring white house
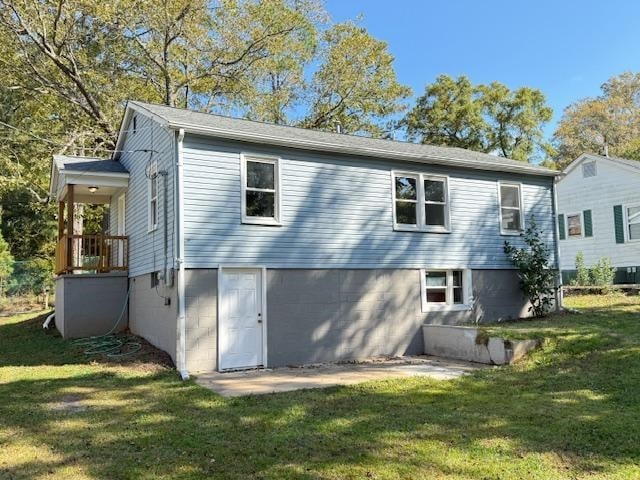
[[599, 214]]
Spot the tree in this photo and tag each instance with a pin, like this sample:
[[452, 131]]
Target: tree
[[536, 275], [6, 263], [276, 85], [607, 124], [515, 119], [449, 113], [486, 118], [68, 66], [355, 85]]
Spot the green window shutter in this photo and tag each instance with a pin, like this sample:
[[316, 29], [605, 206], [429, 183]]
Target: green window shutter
[[588, 223], [561, 226], [619, 223]]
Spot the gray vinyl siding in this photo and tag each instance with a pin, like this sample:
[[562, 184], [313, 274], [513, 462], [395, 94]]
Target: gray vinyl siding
[[146, 249], [337, 213]]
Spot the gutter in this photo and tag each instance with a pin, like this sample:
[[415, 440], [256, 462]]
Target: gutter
[[179, 215], [556, 235]]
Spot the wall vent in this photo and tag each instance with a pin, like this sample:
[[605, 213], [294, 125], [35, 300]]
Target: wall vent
[[589, 169]]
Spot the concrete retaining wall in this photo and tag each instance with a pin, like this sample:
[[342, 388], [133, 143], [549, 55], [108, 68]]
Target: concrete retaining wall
[[90, 304], [468, 343]]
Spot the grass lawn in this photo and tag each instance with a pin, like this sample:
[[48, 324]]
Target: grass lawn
[[570, 411]]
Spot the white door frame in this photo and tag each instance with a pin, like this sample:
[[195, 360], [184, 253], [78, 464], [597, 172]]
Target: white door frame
[[121, 220], [263, 306], [121, 223]]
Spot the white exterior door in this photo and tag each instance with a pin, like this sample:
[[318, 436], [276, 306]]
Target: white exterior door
[[241, 323]]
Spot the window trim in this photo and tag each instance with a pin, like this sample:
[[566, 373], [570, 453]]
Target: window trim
[[152, 176], [625, 213], [566, 221], [421, 220], [467, 291], [260, 158], [521, 208]]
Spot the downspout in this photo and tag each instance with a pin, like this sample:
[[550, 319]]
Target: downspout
[[179, 214], [556, 235]]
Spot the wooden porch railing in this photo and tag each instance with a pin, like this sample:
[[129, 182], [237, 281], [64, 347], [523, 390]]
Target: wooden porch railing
[[92, 253]]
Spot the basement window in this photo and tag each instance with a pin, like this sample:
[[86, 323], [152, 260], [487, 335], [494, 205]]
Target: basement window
[[446, 289]]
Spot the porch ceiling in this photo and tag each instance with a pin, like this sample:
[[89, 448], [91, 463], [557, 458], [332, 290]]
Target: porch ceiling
[[95, 179]]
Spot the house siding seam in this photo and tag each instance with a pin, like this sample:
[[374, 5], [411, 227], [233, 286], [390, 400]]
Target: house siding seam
[[337, 213], [146, 249]]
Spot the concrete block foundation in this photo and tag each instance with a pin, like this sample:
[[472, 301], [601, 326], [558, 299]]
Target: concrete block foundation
[[88, 304]]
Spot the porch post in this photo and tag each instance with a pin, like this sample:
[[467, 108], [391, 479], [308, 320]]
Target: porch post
[[60, 219], [70, 220]]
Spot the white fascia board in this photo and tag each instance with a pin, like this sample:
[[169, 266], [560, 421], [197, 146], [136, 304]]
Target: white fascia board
[[101, 180], [130, 109], [53, 180]]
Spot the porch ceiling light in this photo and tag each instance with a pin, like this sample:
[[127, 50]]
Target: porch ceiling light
[[93, 189]]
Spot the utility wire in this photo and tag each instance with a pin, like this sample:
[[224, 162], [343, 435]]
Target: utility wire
[[58, 144]]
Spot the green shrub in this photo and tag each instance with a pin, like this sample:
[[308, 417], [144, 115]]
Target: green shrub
[[602, 273], [536, 276], [583, 275]]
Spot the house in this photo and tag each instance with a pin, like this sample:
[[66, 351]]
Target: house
[[599, 215], [243, 244]]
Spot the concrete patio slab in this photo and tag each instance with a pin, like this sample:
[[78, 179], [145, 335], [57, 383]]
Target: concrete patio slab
[[257, 382]]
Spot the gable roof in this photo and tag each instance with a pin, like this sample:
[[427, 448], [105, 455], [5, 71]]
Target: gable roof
[[624, 162], [279, 135], [64, 166], [88, 164]]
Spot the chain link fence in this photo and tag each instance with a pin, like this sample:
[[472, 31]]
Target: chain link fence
[[30, 287]]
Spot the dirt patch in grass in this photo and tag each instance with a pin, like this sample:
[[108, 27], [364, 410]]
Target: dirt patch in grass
[[147, 359]]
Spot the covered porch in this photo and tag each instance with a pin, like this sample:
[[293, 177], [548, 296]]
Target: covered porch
[[91, 268], [82, 180]]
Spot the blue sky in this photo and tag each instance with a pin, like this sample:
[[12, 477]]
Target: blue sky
[[567, 49]]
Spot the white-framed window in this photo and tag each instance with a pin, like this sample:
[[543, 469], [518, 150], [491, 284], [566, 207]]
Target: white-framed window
[[152, 196], [632, 221], [510, 203], [420, 202], [446, 289], [260, 189], [574, 225]]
